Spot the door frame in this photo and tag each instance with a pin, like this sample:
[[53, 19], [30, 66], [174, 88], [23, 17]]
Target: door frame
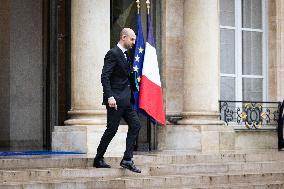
[[55, 38]]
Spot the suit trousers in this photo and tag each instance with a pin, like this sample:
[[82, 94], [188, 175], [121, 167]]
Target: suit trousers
[[113, 120]]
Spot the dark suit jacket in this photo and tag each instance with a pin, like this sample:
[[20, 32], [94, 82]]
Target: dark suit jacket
[[115, 78]]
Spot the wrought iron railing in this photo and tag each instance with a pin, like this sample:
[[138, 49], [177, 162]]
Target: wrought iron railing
[[250, 114]]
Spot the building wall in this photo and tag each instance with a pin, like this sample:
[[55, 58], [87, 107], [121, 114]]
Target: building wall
[[275, 50], [26, 79], [272, 51], [279, 49], [172, 57], [21, 73]]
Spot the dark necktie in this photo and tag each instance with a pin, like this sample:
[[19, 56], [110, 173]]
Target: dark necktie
[[127, 56], [128, 59]]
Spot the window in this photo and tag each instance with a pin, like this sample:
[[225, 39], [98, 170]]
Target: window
[[243, 43]]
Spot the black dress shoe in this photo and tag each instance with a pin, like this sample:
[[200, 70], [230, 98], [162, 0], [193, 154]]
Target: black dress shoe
[[130, 166], [101, 164]]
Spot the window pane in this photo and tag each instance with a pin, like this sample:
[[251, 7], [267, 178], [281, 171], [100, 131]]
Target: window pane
[[227, 12], [251, 14], [252, 89], [123, 14], [227, 51], [227, 88], [252, 53]]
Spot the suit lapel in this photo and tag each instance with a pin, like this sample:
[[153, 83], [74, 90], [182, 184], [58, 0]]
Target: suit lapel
[[123, 63]]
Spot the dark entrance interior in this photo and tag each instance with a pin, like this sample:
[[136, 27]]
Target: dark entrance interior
[[59, 68]]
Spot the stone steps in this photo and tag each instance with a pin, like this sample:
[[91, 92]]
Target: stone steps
[[237, 167], [166, 181], [84, 161], [159, 170], [154, 170], [194, 181], [270, 185], [69, 173]]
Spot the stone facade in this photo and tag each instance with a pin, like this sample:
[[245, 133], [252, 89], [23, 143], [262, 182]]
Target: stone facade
[[275, 43], [172, 55], [190, 76], [190, 72], [279, 6]]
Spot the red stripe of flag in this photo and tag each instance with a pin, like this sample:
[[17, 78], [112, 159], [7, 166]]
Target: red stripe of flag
[[151, 100]]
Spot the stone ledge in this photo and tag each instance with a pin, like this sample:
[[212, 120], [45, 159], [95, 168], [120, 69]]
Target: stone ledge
[[86, 139], [196, 138], [256, 139], [93, 128]]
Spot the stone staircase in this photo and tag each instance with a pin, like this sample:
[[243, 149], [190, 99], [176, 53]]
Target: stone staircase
[[251, 169]]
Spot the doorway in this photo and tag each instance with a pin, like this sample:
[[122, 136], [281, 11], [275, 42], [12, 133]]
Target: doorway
[[35, 72]]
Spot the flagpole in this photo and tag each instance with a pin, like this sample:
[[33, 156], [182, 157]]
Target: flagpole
[[138, 6], [138, 12], [148, 119], [148, 6]]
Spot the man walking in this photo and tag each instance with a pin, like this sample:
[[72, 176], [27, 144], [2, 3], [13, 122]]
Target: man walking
[[118, 99]]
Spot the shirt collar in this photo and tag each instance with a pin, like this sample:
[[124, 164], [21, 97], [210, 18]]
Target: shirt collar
[[121, 47]]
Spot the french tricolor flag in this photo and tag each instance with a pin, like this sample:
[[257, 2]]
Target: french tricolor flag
[[150, 95]]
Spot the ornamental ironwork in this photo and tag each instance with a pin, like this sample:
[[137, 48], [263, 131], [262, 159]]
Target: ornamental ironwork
[[250, 114]]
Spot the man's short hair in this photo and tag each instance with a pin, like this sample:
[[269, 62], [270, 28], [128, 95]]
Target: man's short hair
[[124, 31]]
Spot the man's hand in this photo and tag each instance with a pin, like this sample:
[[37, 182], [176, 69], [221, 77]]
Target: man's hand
[[112, 102]]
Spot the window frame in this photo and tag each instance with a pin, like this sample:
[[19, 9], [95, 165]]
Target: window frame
[[238, 29]]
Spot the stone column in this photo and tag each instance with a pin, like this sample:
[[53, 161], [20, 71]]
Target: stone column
[[201, 62], [90, 40], [280, 49], [200, 129], [172, 55], [276, 50]]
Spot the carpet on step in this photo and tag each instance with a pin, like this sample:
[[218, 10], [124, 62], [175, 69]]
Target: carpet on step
[[31, 153]]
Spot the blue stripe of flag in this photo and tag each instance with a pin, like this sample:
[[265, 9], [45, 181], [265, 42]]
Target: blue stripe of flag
[[138, 59]]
